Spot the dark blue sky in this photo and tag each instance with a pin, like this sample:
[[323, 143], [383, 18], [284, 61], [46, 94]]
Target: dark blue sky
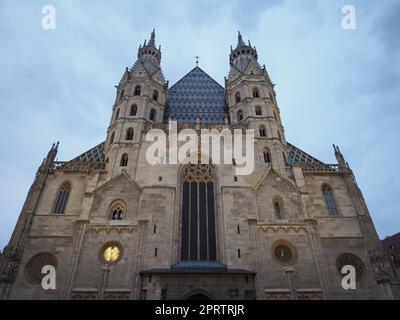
[[333, 85]]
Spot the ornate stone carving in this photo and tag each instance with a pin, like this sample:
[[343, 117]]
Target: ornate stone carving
[[110, 229], [198, 173], [348, 259], [283, 228], [33, 269]]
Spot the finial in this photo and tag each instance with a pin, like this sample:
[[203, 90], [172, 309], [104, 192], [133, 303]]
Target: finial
[[152, 38], [240, 40], [197, 60]]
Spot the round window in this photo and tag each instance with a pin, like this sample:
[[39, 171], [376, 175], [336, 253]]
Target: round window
[[284, 253], [348, 259], [111, 253], [33, 269]]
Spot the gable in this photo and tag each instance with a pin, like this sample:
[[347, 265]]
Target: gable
[[197, 94], [275, 180], [253, 68], [122, 188]]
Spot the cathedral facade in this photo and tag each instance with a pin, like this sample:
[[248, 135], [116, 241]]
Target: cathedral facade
[[115, 226]]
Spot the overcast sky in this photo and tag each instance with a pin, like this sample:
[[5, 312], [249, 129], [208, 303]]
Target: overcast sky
[[333, 85]]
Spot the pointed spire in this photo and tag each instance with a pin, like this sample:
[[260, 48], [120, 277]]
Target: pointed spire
[[242, 49], [240, 40], [152, 41], [340, 158]]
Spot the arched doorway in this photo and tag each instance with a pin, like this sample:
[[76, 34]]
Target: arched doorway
[[198, 230], [198, 296]]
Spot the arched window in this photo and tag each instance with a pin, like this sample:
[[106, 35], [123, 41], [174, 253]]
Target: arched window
[[329, 200], [258, 111], [198, 231], [263, 131], [112, 138], [124, 160], [278, 209], [129, 134], [267, 156], [133, 110], [33, 269], [152, 115], [62, 198], [155, 95], [117, 211], [116, 115], [237, 97], [240, 115], [137, 90], [256, 93], [122, 95]]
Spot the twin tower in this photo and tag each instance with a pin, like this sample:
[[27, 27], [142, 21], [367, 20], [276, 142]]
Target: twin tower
[[144, 100]]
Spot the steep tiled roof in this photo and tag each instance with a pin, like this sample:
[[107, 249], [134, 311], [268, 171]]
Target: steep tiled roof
[[94, 154], [297, 155], [197, 94]]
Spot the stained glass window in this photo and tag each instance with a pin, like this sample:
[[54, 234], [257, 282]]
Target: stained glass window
[[117, 211], [62, 198], [329, 200], [198, 241]]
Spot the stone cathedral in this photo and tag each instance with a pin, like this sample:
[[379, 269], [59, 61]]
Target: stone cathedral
[[115, 227]]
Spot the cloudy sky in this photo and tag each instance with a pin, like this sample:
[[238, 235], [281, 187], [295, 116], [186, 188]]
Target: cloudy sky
[[333, 85]]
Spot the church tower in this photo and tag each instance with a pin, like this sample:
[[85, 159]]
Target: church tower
[[251, 100], [141, 99]]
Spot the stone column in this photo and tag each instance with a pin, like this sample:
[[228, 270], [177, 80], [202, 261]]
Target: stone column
[[136, 278], [80, 231], [292, 282], [104, 280], [255, 257]]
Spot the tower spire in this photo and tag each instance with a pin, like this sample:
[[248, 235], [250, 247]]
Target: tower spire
[[242, 50], [149, 55], [240, 40], [152, 42]]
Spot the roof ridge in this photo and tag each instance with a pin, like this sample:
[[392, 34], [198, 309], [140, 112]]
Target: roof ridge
[[187, 74]]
